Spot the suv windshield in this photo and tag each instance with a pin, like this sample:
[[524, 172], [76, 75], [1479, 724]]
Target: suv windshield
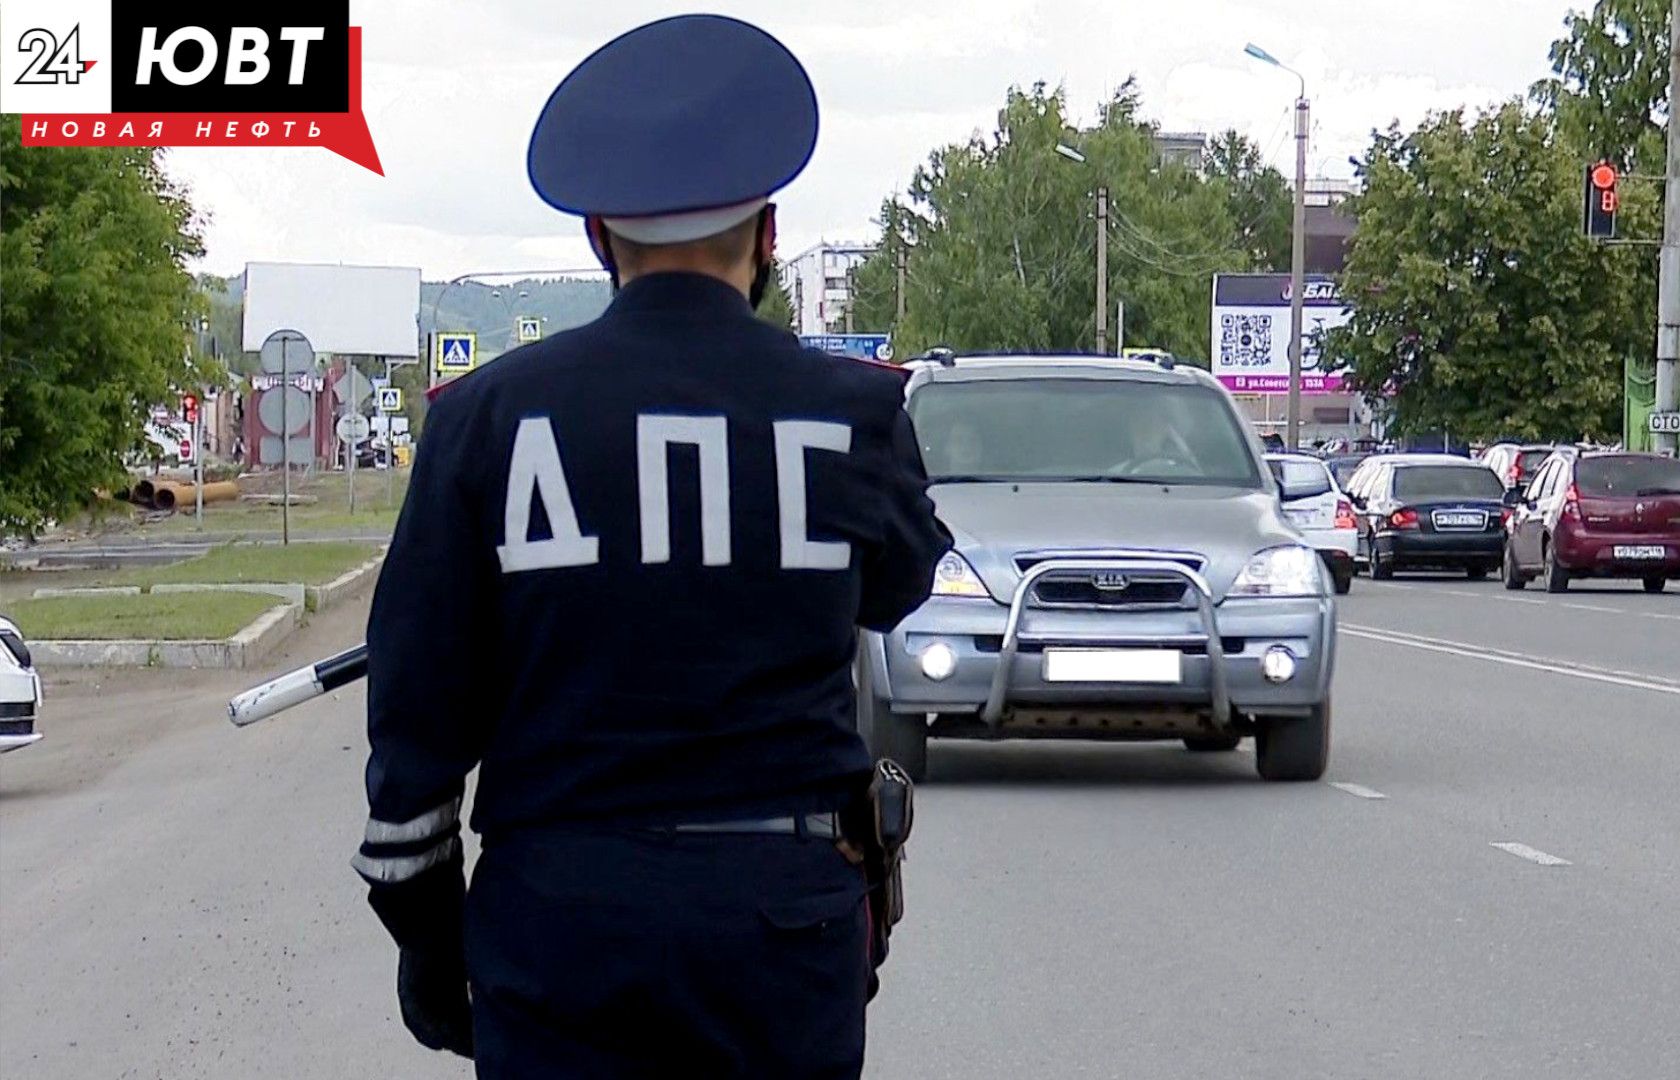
[[1416, 483], [1609, 477], [1083, 430]]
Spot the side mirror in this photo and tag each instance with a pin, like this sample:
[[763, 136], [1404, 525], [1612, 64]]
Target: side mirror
[[1358, 501], [1513, 498], [1297, 492]]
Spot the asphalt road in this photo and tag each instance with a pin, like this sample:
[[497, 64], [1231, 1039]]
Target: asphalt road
[[176, 900]]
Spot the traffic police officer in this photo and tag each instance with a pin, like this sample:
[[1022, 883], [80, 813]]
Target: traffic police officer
[[625, 585]]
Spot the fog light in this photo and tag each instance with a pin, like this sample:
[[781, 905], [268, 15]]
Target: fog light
[[1278, 665], [939, 661]]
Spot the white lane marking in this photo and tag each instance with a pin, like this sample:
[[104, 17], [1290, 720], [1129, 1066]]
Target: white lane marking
[[1488, 594], [1358, 790], [1630, 679], [1533, 855], [1550, 662]]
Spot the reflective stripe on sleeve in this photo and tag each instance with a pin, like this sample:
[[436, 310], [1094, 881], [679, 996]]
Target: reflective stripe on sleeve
[[391, 870], [430, 823]]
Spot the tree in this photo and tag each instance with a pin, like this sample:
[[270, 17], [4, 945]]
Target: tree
[[1477, 303], [776, 309], [95, 308], [1610, 84], [1257, 198], [1000, 236]]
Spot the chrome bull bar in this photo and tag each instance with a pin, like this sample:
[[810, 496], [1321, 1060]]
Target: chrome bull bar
[[992, 713]]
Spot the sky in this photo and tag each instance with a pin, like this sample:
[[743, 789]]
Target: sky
[[452, 88]]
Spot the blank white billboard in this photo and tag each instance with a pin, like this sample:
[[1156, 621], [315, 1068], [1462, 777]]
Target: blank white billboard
[[372, 310]]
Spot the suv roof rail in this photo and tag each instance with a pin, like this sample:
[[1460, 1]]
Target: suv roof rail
[[939, 354]]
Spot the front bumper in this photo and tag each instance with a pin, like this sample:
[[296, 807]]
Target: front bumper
[[1221, 678], [17, 725]]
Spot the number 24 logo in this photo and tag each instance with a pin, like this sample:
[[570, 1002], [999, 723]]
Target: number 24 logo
[[52, 63]]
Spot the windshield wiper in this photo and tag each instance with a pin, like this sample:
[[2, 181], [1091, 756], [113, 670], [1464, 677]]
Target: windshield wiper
[[971, 478]]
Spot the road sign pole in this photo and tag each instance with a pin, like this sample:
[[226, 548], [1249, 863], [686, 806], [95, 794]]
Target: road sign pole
[[350, 451], [390, 448], [1668, 280], [285, 449], [198, 463]]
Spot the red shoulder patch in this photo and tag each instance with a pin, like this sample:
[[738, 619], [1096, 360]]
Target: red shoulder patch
[[433, 392], [896, 369]]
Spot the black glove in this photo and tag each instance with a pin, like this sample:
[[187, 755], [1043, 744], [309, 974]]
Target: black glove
[[432, 990]]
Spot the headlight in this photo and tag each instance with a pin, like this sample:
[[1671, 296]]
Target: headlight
[[954, 577], [1280, 571]]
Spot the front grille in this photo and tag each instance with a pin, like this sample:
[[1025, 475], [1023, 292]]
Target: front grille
[[1082, 590], [17, 708], [17, 727]]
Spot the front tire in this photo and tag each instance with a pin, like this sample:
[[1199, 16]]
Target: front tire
[[1343, 580], [1654, 584], [1381, 569], [1293, 749], [902, 737]]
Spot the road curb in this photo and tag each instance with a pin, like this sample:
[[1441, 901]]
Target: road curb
[[244, 649], [291, 592], [345, 586], [47, 591]]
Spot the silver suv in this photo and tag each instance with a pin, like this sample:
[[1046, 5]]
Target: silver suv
[[1123, 569]]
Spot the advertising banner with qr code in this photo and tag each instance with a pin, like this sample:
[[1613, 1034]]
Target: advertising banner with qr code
[[1251, 333]]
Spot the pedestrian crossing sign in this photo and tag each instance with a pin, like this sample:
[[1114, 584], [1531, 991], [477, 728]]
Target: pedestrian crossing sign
[[390, 399], [530, 329], [457, 353]]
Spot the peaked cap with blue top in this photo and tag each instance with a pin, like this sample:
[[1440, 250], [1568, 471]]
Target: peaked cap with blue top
[[676, 130]]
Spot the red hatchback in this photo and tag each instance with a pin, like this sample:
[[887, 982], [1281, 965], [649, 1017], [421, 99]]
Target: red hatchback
[[1604, 515]]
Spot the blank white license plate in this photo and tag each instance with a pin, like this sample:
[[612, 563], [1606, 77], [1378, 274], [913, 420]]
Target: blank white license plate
[[1640, 552], [1305, 519], [1114, 665], [1460, 521]]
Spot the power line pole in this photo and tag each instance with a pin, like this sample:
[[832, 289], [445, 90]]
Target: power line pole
[[900, 321], [1102, 270], [1297, 271], [1668, 281]]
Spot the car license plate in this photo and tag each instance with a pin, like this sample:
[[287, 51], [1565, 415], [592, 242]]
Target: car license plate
[[1641, 551], [1304, 519], [1462, 519], [1113, 665]]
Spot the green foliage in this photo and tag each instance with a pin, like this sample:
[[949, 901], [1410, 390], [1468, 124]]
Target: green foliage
[[1257, 197], [776, 309], [1610, 84], [307, 564], [1476, 298], [95, 306], [1000, 235]]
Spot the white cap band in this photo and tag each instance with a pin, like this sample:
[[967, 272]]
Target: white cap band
[[681, 228]]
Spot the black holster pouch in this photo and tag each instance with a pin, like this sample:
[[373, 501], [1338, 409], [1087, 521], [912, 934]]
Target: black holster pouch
[[877, 828]]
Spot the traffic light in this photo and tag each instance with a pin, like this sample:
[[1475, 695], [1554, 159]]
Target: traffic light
[[1602, 201], [189, 408]]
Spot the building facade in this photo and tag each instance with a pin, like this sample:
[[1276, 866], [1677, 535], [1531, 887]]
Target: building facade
[[818, 283]]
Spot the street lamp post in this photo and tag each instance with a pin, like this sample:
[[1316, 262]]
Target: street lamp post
[[1298, 252], [1102, 255]]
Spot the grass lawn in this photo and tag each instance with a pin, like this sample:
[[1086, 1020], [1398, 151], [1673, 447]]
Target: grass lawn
[[309, 564], [378, 498], [170, 616]]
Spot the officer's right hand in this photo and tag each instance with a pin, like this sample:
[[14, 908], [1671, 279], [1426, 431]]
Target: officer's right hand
[[432, 991]]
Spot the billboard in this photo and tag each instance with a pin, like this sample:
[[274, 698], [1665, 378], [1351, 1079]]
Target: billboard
[[1251, 332], [359, 310], [856, 346]]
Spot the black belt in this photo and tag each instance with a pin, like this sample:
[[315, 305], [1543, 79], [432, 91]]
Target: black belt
[[817, 826]]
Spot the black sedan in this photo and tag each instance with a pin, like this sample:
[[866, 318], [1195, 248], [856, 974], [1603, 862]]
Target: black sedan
[[1430, 511]]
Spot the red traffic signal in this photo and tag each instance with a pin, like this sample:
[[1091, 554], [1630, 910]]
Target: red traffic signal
[[189, 408], [1602, 201]]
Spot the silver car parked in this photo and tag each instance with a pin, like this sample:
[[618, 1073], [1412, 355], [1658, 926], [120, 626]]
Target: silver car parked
[[1123, 570]]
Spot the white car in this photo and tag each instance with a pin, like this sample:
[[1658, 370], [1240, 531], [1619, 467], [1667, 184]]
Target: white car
[[1323, 513], [20, 690]]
